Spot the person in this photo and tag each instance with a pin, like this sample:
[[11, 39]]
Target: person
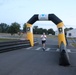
[[43, 38], [66, 38]]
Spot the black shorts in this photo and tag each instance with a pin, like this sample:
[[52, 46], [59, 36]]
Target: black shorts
[[43, 41]]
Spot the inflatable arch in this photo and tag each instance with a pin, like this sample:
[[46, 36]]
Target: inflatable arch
[[45, 17]]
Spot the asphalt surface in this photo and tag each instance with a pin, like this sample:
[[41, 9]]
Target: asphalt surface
[[35, 61]]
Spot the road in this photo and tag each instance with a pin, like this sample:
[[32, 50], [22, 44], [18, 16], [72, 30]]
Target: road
[[35, 61]]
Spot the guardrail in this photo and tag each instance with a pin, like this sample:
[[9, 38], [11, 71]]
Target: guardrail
[[14, 45]]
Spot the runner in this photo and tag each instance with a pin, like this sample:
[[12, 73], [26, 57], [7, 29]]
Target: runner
[[43, 38]]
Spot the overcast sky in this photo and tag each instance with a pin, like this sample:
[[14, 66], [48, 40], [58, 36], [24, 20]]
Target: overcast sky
[[22, 10]]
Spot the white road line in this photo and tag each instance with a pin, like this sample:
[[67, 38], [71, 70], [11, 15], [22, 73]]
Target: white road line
[[53, 48], [38, 48], [68, 50], [47, 49], [57, 50], [72, 52], [29, 48]]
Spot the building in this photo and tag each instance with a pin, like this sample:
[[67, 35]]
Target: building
[[71, 33]]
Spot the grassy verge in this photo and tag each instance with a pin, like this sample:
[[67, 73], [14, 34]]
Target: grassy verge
[[74, 44], [48, 36], [4, 39]]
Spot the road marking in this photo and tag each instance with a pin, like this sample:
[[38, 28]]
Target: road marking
[[57, 50], [68, 50], [29, 48], [47, 49], [54, 48], [72, 52], [38, 48]]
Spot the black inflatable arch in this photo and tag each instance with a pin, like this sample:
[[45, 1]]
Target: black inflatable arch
[[51, 17]]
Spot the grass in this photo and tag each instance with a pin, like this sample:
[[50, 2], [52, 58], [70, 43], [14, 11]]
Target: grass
[[4, 39], [74, 44], [48, 36], [71, 38], [8, 37]]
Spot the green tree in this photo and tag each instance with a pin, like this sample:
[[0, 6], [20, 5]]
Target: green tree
[[4, 28], [45, 31], [14, 28], [67, 29], [40, 30], [24, 27], [70, 28], [51, 31], [35, 29]]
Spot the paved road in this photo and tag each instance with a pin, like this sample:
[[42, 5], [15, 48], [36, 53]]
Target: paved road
[[34, 61]]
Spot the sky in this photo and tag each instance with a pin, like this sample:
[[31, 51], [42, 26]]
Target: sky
[[21, 11]]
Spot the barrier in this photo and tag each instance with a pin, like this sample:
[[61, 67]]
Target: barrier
[[64, 56], [45, 17]]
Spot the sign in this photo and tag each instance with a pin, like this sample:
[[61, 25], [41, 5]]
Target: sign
[[28, 29], [43, 17], [60, 30]]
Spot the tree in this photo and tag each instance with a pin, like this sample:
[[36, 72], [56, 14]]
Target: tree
[[45, 31], [14, 28], [67, 29], [35, 29], [40, 30], [24, 27], [51, 31], [70, 28], [4, 28]]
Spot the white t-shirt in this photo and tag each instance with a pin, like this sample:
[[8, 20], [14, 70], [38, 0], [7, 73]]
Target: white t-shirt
[[43, 37]]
